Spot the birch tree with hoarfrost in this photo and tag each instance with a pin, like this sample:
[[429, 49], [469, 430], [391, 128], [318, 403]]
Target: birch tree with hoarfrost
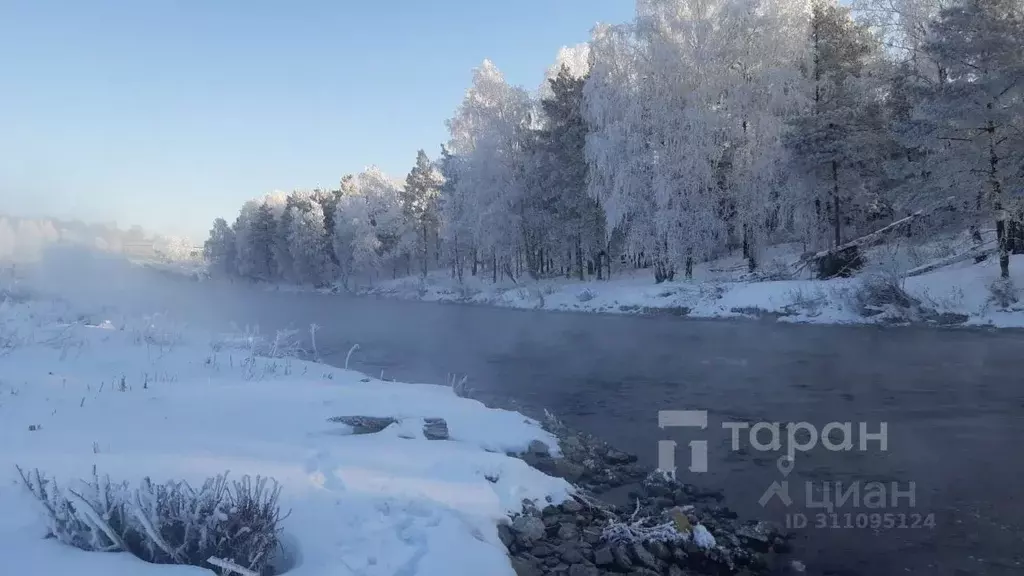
[[310, 246], [686, 107], [487, 133], [759, 96], [369, 227], [618, 142]]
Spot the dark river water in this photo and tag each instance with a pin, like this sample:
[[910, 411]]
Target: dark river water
[[952, 402]]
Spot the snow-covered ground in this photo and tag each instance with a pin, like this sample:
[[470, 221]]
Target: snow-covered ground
[[149, 398], [956, 294]]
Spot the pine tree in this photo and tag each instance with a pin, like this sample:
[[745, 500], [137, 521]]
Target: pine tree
[[835, 142], [454, 232], [563, 208], [420, 204], [219, 249], [973, 117], [254, 237]]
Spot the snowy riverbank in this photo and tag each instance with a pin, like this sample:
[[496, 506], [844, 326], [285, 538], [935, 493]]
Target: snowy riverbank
[[960, 294], [148, 398]]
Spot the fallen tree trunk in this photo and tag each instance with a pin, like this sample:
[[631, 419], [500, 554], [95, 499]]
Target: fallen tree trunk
[[870, 239], [983, 250]]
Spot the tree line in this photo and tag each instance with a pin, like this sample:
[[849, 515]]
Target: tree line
[[698, 128]]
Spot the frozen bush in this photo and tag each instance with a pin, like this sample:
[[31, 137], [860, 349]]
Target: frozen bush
[[712, 291], [1002, 293], [586, 295], [807, 300], [169, 523], [465, 292], [156, 331], [883, 295], [285, 344]]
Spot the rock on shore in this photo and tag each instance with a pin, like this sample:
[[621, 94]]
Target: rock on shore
[[670, 528]]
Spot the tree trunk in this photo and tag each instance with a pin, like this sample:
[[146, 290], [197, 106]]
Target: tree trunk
[[838, 221], [426, 244], [997, 202], [494, 266], [579, 258], [1015, 230], [748, 250], [1004, 252], [437, 247]]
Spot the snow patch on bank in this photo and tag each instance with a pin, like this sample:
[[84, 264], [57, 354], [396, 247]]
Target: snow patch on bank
[[148, 398], [960, 293]]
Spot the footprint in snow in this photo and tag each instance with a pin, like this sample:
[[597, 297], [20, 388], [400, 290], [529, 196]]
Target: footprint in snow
[[321, 469]]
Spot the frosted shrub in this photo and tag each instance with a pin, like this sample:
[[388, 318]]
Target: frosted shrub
[[586, 295], [169, 523], [807, 300], [158, 331], [711, 291], [883, 295], [1002, 293], [284, 344], [640, 529]]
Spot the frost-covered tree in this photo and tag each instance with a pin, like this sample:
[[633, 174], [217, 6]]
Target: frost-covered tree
[[310, 246], [488, 133], [686, 106], [369, 227], [562, 218], [455, 233], [697, 129], [839, 141], [302, 201], [174, 248], [220, 249], [904, 27], [355, 242], [575, 60], [972, 118], [618, 142], [420, 205], [254, 229], [759, 94]]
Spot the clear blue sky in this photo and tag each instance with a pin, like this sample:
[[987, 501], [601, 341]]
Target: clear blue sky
[[169, 113]]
